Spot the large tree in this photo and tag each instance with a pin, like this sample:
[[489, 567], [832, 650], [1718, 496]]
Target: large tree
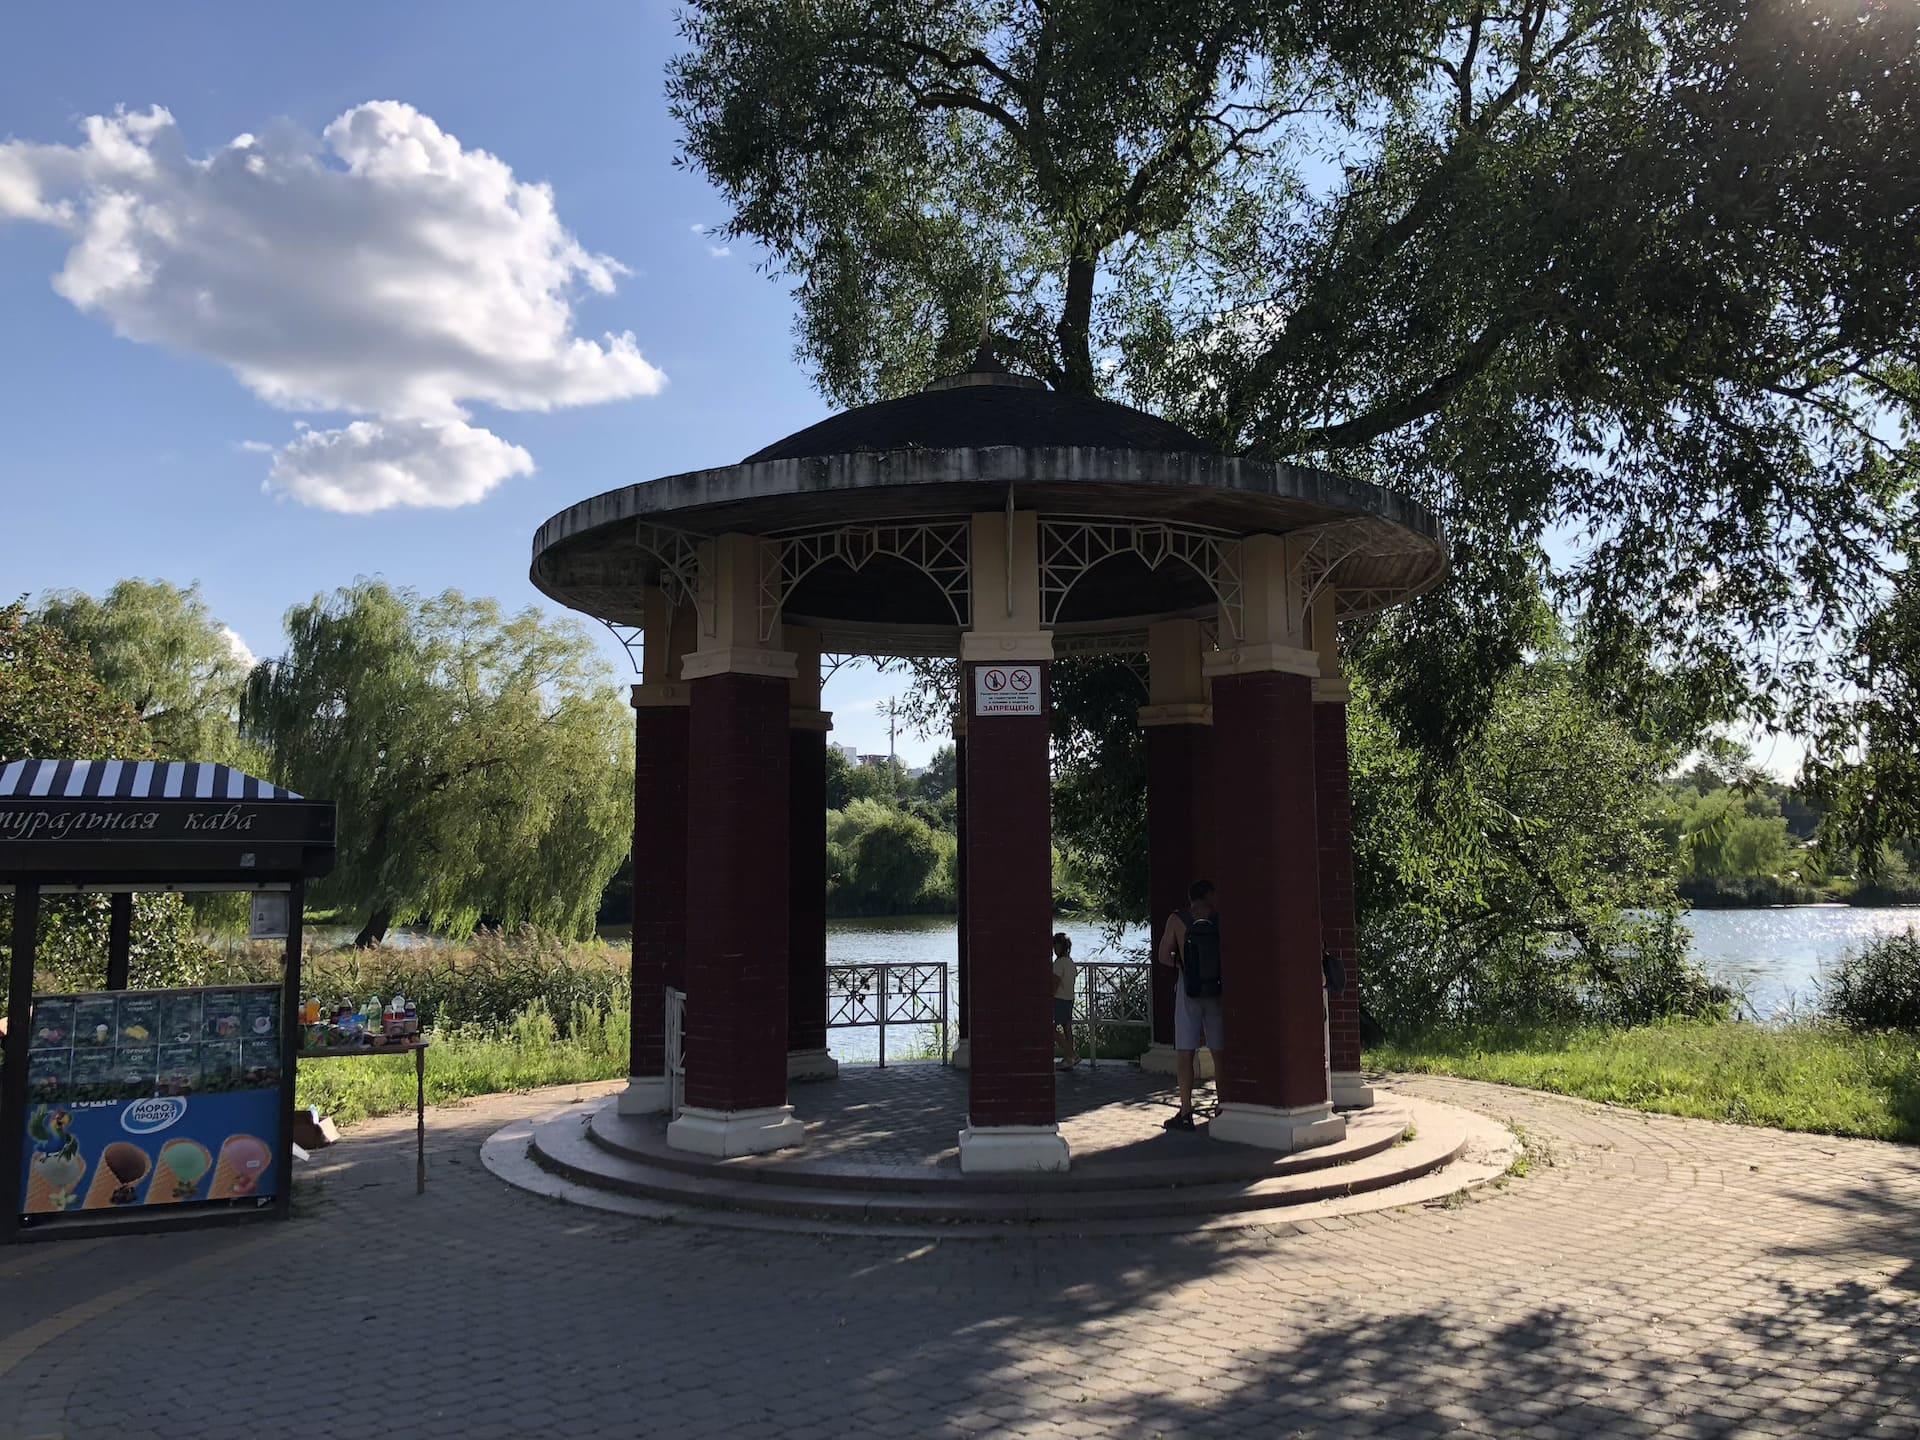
[[159, 648], [53, 707], [1628, 289], [483, 766]]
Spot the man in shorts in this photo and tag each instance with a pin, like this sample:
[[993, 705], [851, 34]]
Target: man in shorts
[[1197, 1019]]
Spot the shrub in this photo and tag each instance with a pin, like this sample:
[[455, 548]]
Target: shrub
[[72, 953], [882, 861], [1877, 986]]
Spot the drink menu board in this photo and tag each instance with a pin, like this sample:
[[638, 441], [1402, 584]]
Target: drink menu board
[[122, 1045], [152, 1097]]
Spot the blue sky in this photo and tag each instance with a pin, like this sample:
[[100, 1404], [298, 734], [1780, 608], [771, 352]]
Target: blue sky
[[130, 456]]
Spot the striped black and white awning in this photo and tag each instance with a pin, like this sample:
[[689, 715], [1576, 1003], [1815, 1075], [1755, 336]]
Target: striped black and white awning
[[132, 780]]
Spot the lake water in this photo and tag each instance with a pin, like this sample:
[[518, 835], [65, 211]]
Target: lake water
[[1771, 957]]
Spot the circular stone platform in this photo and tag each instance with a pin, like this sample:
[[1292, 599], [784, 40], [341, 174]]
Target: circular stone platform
[[881, 1154]]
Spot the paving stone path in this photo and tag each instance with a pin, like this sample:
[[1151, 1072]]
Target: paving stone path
[[1648, 1276]]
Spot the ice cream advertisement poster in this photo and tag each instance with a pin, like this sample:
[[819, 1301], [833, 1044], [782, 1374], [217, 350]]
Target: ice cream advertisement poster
[[156, 1150], [152, 1097]]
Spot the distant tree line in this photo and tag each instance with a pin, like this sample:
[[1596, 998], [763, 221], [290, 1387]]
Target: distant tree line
[[481, 762]]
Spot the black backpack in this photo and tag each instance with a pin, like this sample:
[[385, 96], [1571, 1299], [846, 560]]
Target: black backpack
[[1200, 961]]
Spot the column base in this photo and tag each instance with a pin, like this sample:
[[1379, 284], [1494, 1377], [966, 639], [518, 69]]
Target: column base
[[1299, 1128], [811, 1065], [1351, 1091], [988, 1148], [644, 1095], [724, 1133], [1161, 1059], [962, 1054]]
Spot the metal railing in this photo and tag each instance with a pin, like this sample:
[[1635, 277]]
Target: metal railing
[[872, 997], [1113, 994], [676, 1044]]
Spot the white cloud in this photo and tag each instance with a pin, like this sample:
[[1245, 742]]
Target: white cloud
[[379, 269], [378, 464], [242, 651]]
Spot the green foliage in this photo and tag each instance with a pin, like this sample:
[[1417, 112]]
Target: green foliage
[[885, 861], [482, 766], [937, 781], [1724, 834], [160, 650], [1814, 1077], [164, 947], [495, 976], [1528, 881], [1876, 986], [1643, 272], [52, 705], [527, 1050], [1100, 784]]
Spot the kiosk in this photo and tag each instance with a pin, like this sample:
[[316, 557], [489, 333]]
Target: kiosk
[[155, 1109]]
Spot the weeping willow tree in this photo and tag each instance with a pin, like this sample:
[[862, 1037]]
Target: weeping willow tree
[[160, 649], [482, 765]]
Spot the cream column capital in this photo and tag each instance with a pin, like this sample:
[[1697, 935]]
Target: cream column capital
[[739, 660], [1332, 692], [731, 640], [1005, 579], [659, 695], [802, 719], [1264, 658], [985, 647], [1152, 715]]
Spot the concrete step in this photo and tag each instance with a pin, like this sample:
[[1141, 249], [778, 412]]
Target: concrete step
[[1170, 1161], [563, 1147]]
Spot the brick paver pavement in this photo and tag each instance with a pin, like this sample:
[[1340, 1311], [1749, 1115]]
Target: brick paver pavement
[[1649, 1276]]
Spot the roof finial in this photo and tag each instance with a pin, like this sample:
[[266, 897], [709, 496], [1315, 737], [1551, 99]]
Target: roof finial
[[983, 359]]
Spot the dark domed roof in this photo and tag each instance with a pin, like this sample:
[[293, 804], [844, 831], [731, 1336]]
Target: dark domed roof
[[981, 409]]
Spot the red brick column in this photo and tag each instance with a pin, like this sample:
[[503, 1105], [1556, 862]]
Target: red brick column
[[1274, 1090], [962, 1055], [1179, 840], [738, 778], [807, 899], [1009, 918], [1334, 805], [659, 892]]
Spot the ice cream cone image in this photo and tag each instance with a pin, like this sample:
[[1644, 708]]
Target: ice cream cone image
[[52, 1181], [116, 1179], [182, 1165], [243, 1160]]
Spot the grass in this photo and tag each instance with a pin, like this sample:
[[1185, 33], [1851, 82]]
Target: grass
[[1810, 1076], [469, 1060]]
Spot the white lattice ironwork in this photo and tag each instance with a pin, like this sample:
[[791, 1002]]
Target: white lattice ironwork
[[938, 549], [1071, 546], [1321, 551], [633, 640], [678, 556], [891, 993]]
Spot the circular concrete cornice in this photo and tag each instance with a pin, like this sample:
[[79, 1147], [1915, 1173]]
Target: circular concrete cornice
[[589, 557]]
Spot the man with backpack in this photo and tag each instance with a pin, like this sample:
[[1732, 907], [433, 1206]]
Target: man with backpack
[[1191, 944]]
